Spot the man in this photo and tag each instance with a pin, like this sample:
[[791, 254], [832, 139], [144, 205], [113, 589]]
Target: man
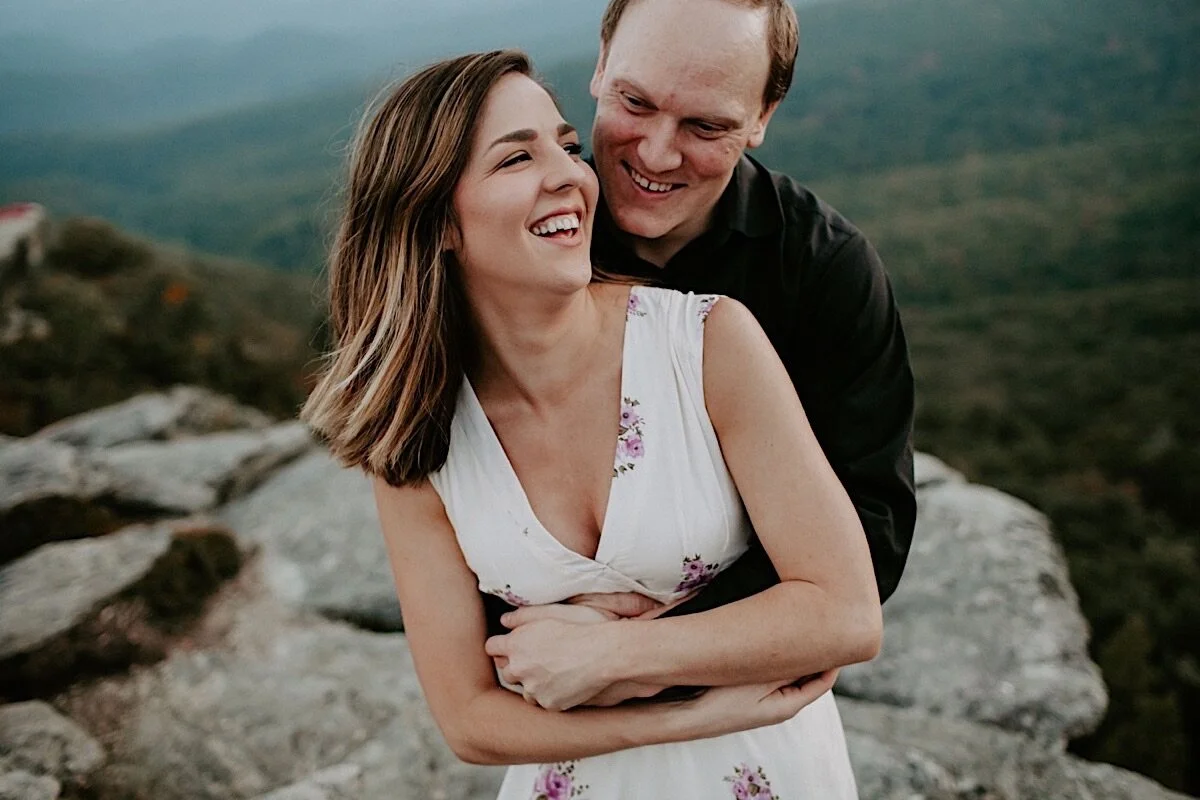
[[683, 88]]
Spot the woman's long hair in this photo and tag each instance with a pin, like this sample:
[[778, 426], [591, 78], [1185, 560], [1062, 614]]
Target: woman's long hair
[[386, 396]]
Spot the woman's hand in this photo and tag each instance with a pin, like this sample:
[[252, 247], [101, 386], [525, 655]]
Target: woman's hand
[[557, 653], [729, 709]]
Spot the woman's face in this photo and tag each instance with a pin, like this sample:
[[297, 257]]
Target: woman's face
[[526, 201]]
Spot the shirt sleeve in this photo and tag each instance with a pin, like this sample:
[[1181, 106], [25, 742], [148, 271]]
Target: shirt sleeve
[[849, 360]]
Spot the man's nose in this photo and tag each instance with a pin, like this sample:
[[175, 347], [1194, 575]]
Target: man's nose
[[657, 149]]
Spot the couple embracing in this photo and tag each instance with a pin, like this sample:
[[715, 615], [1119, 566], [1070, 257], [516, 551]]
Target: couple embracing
[[640, 428]]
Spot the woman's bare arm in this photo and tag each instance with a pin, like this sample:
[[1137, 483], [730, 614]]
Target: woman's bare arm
[[483, 722], [824, 614]]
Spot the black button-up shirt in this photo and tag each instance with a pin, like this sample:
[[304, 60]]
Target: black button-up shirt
[[820, 292]]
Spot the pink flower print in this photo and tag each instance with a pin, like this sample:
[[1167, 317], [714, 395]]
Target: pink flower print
[[707, 301], [508, 595], [634, 307], [750, 784], [557, 782], [629, 416], [634, 447], [696, 573], [631, 444]]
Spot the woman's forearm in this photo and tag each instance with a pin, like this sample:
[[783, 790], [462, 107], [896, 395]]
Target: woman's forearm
[[500, 728], [788, 631]]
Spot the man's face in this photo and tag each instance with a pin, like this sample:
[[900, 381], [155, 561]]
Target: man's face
[[679, 96]]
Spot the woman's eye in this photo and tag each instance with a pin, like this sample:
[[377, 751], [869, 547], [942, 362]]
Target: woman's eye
[[518, 158], [574, 148]]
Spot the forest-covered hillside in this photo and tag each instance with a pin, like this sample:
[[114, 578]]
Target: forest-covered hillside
[[879, 83]]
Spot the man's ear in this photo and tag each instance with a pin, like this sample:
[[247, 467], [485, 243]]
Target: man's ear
[[759, 131], [598, 74]]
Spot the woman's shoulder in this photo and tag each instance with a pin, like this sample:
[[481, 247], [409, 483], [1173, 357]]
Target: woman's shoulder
[[670, 306]]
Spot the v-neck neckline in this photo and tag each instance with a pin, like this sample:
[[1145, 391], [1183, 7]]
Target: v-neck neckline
[[509, 472]]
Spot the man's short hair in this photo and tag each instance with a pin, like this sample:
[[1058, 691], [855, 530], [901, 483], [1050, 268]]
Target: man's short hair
[[783, 38]]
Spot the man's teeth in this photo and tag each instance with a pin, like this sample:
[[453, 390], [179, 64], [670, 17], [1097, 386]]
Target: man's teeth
[[648, 184], [563, 222]]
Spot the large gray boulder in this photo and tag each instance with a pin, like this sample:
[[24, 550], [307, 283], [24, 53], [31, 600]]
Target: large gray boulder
[[900, 754], [21, 785], [319, 534], [50, 492], [37, 740], [283, 696], [985, 624], [179, 412], [74, 607], [196, 474]]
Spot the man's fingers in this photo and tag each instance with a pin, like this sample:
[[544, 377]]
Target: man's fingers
[[496, 646], [623, 604], [555, 611]]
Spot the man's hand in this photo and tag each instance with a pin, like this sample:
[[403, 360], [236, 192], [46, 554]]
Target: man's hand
[[627, 605]]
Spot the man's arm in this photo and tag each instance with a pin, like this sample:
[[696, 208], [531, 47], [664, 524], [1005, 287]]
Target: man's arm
[[849, 360]]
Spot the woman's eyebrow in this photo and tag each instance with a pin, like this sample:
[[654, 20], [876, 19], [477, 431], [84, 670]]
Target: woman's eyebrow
[[529, 135]]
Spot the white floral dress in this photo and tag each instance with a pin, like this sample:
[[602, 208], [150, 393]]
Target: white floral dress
[[674, 520]]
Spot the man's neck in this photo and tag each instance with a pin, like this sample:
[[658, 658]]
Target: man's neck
[[661, 250]]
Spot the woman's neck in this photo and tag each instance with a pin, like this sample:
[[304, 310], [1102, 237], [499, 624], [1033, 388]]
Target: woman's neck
[[535, 350]]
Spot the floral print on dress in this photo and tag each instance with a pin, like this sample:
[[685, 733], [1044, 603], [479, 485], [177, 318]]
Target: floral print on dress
[[557, 782], [508, 595], [750, 784], [630, 445], [696, 573], [707, 301], [634, 307]]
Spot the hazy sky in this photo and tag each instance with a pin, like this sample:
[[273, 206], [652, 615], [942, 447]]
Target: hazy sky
[[116, 23]]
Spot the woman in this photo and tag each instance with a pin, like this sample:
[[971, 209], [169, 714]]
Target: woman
[[486, 380]]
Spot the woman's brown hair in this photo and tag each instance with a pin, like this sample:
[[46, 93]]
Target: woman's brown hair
[[386, 395]]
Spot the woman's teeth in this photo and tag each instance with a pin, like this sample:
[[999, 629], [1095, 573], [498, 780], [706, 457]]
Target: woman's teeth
[[563, 222]]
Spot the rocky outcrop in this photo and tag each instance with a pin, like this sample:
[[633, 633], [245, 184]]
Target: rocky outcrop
[[260, 688], [52, 491], [902, 753], [180, 412], [322, 550], [985, 624], [40, 743], [97, 604], [283, 695]]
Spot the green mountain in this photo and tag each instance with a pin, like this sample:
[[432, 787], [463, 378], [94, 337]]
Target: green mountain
[[880, 83]]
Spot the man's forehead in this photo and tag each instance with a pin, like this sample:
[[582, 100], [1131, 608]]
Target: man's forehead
[[668, 45]]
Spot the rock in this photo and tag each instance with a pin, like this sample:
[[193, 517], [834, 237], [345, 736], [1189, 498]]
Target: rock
[[317, 526], [73, 608], [907, 753], [182, 411], [50, 492], [21, 785], [196, 474], [985, 624], [37, 739], [336, 783], [929, 471], [281, 697]]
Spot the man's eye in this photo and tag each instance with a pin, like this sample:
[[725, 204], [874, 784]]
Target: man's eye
[[705, 129], [634, 102], [518, 158]]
